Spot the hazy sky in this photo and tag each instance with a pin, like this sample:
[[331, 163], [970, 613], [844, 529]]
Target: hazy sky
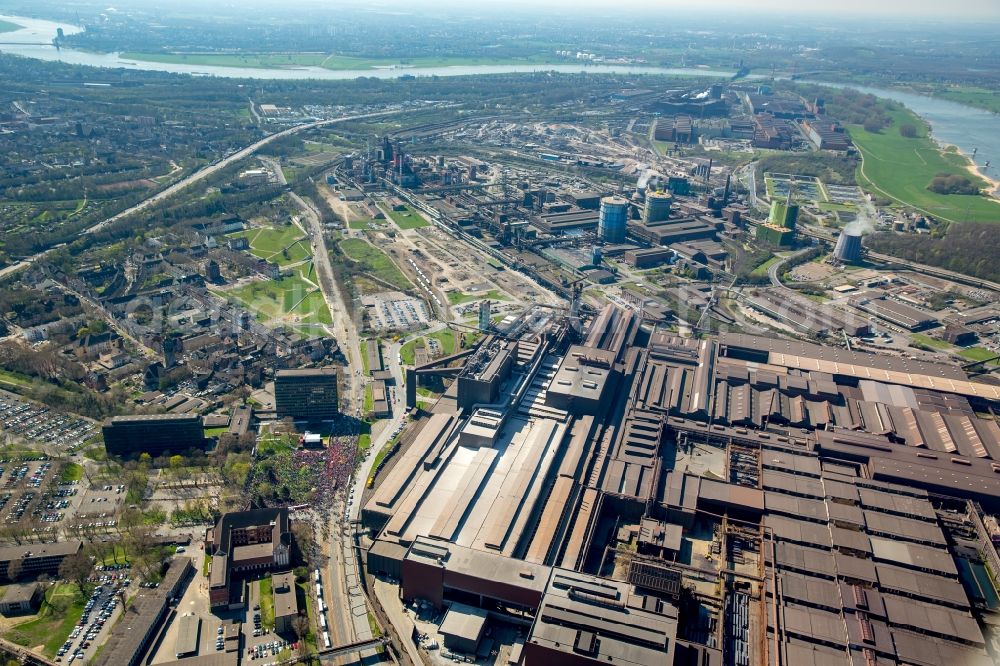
[[987, 9], [984, 11]]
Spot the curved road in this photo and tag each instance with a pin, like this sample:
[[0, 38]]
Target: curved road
[[199, 175]]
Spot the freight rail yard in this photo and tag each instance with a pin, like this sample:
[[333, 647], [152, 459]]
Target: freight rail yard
[[612, 492]]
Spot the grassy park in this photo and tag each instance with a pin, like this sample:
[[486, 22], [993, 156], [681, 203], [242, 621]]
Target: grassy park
[[281, 245], [291, 299], [7, 26], [901, 168], [59, 613]]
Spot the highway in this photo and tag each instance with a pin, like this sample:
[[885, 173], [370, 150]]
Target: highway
[[195, 177]]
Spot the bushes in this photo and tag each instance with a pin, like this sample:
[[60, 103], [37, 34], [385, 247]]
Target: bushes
[[945, 183]]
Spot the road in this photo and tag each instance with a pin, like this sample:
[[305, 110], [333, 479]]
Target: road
[[195, 177], [773, 271], [343, 327]]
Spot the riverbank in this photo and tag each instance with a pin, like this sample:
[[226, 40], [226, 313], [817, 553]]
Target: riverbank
[[328, 61], [901, 168]]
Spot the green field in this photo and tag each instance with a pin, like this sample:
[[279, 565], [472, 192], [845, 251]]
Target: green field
[[7, 26], [446, 338], [978, 354], [290, 300], [374, 261], [327, 61], [282, 245], [928, 341], [59, 613], [364, 224], [900, 169], [458, 297], [408, 219]]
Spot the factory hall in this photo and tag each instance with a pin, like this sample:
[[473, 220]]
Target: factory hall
[[626, 495]]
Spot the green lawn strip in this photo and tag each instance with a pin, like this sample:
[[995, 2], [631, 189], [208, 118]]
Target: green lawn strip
[[61, 610], [215, 432], [978, 354], [71, 472], [458, 297], [761, 270], [375, 262], [364, 441], [7, 26], [266, 603], [369, 403], [928, 341], [384, 451], [363, 348], [901, 168]]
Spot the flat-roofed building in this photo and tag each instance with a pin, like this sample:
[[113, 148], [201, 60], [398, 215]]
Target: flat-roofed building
[[585, 620], [286, 606], [155, 434], [463, 628], [306, 394], [582, 380], [36, 559]]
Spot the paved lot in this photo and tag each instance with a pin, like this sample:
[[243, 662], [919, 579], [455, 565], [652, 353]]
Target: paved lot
[[95, 625]]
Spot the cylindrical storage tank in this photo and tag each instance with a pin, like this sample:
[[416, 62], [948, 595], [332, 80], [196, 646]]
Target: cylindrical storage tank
[[657, 207], [612, 220], [848, 247]]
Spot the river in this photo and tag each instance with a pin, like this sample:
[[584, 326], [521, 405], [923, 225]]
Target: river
[[952, 124], [965, 127], [35, 41]]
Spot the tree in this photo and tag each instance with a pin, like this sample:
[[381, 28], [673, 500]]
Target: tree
[[76, 568], [14, 569], [178, 467], [873, 124], [300, 625], [908, 130]]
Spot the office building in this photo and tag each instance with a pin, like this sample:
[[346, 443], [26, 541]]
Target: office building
[[155, 434], [612, 220], [306, 395]]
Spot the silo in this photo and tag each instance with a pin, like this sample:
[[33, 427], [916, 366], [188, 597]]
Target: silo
[[612, 220], [657, 207], [848, 248]]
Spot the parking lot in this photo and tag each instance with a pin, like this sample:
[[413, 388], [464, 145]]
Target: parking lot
[[257, 645], [29, 496], [99, 614], [98, 507], [39, 424]]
